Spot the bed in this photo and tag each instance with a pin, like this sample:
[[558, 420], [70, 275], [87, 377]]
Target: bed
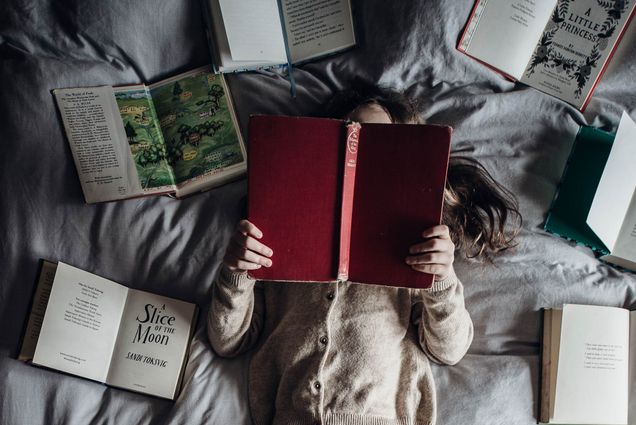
[[174, 247]]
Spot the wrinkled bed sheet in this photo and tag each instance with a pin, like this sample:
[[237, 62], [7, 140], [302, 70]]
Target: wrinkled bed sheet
[[175, 247]]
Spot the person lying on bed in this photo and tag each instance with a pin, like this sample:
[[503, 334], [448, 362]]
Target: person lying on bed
[[345, 353]]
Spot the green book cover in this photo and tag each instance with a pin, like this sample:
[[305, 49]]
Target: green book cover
[[568, 214]]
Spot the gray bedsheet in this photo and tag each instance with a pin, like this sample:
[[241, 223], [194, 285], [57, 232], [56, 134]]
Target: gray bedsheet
[[175, 247]]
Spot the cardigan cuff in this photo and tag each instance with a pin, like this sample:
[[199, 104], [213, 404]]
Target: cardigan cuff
[[441, 285], [236, 279]]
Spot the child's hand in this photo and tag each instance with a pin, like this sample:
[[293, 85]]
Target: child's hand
[[435, 255], [244, 252]]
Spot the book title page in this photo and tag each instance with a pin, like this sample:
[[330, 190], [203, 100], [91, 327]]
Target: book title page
[[574, 46], [151, 344]]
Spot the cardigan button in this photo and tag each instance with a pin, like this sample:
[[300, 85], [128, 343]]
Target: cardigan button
[[323, 340], [330, 296], [317, 385]]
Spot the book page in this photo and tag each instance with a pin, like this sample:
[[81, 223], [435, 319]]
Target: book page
[[625, 246], [97, 138], [152, 343], [555, 341], [143, 134], [631, 415], [317, 27], [80, 323], [38, 308], [220, 45], [518, 22], [615, 190], [253, 30], [574, 46], [203, 143], [592, 376]]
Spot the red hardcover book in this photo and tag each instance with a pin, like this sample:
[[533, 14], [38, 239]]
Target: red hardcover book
[[338, 200]]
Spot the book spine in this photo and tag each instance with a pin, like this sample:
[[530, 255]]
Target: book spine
[[348, 183]]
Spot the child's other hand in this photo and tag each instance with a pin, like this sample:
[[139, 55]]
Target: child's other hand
[[435, 255], [244, 252]]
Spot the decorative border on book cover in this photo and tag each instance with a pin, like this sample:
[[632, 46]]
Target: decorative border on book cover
[[578, 70]]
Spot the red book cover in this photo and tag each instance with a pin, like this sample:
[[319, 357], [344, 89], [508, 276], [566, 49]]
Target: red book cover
[[299, 169]]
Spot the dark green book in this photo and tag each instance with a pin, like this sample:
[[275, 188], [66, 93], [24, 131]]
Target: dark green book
[[568, 215], [595, 203]]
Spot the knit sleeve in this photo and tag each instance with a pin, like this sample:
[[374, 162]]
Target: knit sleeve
[[444, 326], [236, 314]]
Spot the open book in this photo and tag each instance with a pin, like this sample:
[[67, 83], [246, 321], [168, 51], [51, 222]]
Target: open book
[[340, 200], [176, 136], [596, 202], [560, 47], [250, 34], [91, 327], [588, 360]]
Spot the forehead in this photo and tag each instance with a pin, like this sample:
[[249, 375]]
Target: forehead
[[370, 113]]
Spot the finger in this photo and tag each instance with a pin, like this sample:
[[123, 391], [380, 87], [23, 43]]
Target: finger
[[248, 228], [436, 269], [245, 241], [440, 231], [234, 264], [434, 244], [430, 258], [242, 253], [244, 265]]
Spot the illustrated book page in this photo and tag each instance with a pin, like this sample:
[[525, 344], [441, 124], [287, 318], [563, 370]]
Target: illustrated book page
[[144, 137], [152, 344], [578, 40], [80, 324], [98, 143], [519, 22], [203, 144], [591, 382]]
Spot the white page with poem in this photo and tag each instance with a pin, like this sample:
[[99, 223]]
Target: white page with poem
[[504, 33], [593, 367], [615, 190], [80, 324], [254, 30]]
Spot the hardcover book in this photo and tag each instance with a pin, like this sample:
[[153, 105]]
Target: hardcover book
[[178, 136], [595, 204], [560, 47], [340, 200], [251, 34], [587, 365], [91, 327]]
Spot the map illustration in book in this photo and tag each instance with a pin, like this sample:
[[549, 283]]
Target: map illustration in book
[[560, 47], [340, 200], [91, 327], [595, 204], [176, 136], [249, 34]]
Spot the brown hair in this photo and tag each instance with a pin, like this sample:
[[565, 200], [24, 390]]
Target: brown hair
[[476, 207]]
